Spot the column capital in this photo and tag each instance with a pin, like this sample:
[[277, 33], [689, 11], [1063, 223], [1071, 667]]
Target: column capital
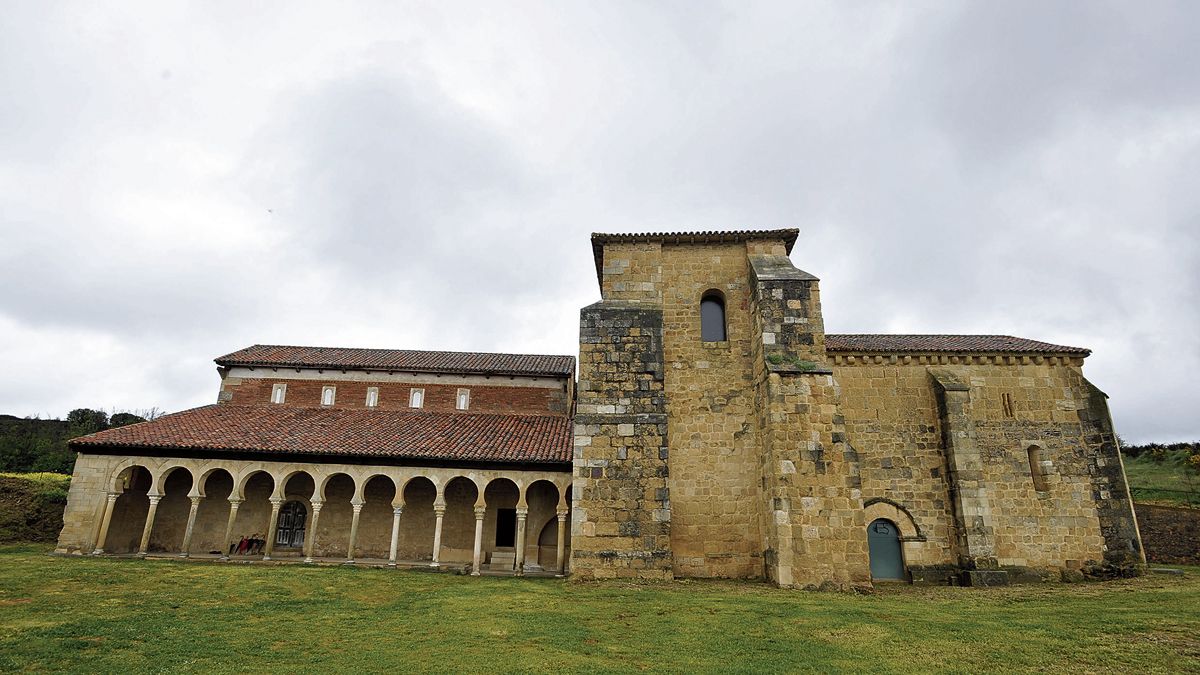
[[154, 499], [316, 505], [235, 501], [357, 506], [522, 511], [276, 502], [195, 499], [112, 496], [397, 510], [562, 515], [480, 511], [439, 509]]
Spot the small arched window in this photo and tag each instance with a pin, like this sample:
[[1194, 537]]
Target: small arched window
[[1038, 469], [712, 317]]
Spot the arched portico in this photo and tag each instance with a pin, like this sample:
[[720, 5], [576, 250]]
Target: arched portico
[[400, 510]]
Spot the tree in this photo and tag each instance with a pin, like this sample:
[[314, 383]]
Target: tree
[[124, 419], [84, 421]]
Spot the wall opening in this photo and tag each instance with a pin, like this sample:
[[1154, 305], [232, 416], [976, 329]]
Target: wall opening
[[712, 317], [883, 545], [1038, 469]]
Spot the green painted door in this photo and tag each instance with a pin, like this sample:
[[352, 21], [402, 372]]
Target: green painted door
[[883, 542]]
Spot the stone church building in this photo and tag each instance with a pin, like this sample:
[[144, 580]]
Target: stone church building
[[714, 430]]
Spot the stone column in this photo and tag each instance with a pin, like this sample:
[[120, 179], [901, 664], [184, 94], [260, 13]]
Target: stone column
[[191, 525], [310, 535], [234, 503], [439, 511], [276, 502], [396, 511], [110, 503], [562, 542], [154, 499], [357, 506], [522, 514], [479, 513]]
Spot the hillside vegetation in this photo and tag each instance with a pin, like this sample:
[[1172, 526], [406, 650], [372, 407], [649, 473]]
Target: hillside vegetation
[[31, 506], [1164, 474], [32, 444]]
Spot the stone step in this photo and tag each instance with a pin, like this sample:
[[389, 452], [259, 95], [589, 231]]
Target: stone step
[[502, 560]]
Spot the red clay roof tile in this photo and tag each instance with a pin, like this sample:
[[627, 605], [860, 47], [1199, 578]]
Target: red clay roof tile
[[273, 356], [945, 343], [361, 433]]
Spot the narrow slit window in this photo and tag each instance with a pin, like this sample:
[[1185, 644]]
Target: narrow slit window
[[712, 317], [372, 397], [463, 400], [1006, 401], [328, 395], [416, 398], [1039, 469], [278, 393]]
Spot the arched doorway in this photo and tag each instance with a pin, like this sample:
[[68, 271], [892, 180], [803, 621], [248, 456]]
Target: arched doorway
[[883, 543], [290, 531]]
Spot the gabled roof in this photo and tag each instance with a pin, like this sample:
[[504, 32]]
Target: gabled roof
[[599, 239], [473, 363], [945, 343], [396, 434]]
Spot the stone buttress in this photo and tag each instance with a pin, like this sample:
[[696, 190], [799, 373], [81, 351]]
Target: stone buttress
[[621, 521], [815, 530]]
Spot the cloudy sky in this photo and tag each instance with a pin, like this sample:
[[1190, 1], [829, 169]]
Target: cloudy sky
[[181, 180]]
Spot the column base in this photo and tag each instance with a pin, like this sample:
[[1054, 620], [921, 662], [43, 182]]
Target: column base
[[224, 557], [308, 560], [435, 564], [348, 562], [98, 551], [266, 558], [142, 555], [184, 555], [392, 564]]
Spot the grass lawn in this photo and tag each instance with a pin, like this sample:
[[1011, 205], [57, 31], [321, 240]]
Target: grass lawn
[[116, 615]]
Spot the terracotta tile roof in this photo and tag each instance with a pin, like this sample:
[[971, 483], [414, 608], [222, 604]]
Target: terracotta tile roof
[[599, 239], [945, 343], [274, 356], [353, 433]]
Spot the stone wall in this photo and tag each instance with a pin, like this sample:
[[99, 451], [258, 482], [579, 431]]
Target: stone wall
[[716, 528], [512, 399], [897, 418], [1171, 533]]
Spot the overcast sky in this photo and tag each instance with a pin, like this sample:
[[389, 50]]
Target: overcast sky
[[178, 181]]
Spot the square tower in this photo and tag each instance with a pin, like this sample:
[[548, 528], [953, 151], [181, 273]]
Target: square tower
[[708, 439]]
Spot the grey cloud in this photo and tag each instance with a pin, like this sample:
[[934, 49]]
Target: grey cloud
[[428, 178]]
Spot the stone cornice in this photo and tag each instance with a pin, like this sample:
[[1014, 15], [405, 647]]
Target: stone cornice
[[846, 358]]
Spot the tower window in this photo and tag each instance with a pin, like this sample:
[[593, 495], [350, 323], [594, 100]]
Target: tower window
[[328, 394], [712, 317], [416, 398], [463, 400], [278, 393], [372, 397]]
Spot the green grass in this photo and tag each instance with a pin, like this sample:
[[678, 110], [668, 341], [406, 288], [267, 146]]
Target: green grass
[[1162, 482], [116, 615]]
